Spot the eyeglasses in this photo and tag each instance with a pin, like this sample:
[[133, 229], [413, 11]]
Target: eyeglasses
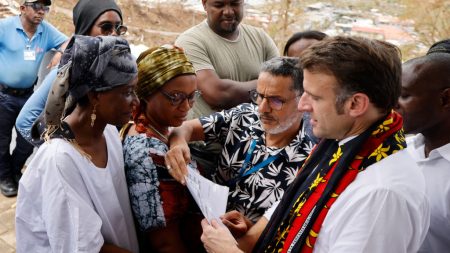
[[178, 98], [108, 28], [275, 103], [38, 7]]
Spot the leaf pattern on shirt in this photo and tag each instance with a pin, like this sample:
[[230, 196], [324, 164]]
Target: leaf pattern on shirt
[[235, 129], [272, 191]]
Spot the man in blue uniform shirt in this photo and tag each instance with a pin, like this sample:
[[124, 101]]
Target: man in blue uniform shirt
[[24, 40]]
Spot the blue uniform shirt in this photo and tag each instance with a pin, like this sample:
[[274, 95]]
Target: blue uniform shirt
[[16, 72]]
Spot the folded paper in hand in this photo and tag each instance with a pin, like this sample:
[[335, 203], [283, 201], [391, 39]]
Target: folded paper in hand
[[210, 197]]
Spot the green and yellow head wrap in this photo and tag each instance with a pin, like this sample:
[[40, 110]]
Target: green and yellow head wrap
[[158, 65]]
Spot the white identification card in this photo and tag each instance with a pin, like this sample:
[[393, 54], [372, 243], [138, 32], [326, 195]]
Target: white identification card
[[29, 55]]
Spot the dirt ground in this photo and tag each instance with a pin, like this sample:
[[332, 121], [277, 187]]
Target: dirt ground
[[150, 26]]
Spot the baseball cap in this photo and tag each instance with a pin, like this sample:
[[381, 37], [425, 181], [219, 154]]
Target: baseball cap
[[46, 2]]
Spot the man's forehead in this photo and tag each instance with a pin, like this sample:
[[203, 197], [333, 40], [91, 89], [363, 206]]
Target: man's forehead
[[418, 74], [408, 71], [319, 74], [269, 81], [265, 75], [316, 82]]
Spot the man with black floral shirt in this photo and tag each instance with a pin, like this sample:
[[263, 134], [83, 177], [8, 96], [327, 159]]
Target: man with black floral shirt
[[264, 145]]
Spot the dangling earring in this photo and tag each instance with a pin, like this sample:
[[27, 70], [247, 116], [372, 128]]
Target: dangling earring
[[93, 116]]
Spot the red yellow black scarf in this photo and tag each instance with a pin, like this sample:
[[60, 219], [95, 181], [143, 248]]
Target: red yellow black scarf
[[326, 173]]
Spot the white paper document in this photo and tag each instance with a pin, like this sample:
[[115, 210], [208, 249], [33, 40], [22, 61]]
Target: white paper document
[[210, 197]]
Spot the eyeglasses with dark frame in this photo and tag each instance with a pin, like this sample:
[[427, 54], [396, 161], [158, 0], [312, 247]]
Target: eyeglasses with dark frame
[[108, 28], [275, 103], [178, 98], [36, 6]]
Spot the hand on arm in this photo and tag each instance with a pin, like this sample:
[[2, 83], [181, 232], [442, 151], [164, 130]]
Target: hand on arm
[[244, 230], [247, 242], [179, 155], [223, 93], [217, 238], [237, 223]]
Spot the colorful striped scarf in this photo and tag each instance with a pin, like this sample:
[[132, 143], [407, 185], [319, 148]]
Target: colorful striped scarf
[[328, 171]]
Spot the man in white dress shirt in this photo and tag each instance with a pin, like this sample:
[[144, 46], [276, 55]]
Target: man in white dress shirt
[[358, 191], [425, 107]]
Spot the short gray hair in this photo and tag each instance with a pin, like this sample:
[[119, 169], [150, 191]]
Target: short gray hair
[[285, 66]]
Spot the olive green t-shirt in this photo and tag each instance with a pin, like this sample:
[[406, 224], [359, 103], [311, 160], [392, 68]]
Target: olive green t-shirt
[[238, 60]]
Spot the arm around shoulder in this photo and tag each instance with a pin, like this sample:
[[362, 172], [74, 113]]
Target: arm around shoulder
[[179, 155], [190, 130]]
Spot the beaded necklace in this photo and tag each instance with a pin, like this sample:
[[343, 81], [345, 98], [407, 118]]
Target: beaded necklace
[[158, 133]]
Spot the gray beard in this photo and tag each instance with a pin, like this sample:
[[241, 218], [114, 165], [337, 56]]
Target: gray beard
[[283, 126]]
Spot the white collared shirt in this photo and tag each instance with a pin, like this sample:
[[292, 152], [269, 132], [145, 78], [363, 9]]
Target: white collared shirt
[[384, 209], [436, 170]]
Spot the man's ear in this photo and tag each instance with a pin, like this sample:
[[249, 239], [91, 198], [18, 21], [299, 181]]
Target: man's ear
[[359, 103], [204, 4]]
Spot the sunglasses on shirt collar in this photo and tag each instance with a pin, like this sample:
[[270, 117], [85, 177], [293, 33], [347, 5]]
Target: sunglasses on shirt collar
[[108, 28], [36, 6]]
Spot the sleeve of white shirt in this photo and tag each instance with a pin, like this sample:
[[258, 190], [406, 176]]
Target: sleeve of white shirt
[[377, 221], [269, 212]]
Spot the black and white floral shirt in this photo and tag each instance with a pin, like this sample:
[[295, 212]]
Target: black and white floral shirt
[[236, 129]]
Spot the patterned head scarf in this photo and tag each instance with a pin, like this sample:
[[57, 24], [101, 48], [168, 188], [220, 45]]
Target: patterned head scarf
[[158, 65], [442, 46], [88, 64], [99, 63]]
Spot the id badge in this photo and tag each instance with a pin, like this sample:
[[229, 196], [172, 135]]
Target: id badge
[[29, 55]]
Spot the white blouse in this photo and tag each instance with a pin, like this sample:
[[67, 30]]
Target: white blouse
[[67, 204]]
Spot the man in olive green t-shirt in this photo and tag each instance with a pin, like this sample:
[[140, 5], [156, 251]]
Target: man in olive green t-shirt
[[226, 55]]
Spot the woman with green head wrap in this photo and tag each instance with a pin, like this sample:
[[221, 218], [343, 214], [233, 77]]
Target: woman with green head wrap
[[167, 88]]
